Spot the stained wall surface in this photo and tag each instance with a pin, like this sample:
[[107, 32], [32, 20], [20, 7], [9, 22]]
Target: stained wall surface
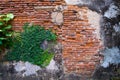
[[76, 27]]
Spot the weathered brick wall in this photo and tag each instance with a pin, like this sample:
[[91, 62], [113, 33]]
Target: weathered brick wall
[[32, 11], [80, 43]]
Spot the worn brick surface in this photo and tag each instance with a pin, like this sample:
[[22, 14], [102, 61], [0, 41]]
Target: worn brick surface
[[80, 45]]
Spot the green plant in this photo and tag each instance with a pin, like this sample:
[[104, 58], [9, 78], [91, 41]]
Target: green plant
[[5, 30], [26, 46], [45, 59]]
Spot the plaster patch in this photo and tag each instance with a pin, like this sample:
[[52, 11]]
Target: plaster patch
[[57, 18], [28, 68], [72, 2], [111, 56], [94, 21], [52, 66], [77, 2], [112, 11]]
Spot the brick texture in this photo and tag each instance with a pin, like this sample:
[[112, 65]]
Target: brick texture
[[80, 46]]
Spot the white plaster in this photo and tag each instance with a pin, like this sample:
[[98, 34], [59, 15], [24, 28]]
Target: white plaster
[[77, 2], [111, 56], [20, 66], [52, 66], [72, 2], [29, 68], [112, 12], [57, 17], [94, 21]]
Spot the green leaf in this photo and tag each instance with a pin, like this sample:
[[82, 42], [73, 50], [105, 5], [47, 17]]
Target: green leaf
[[11, 16], [9, 34], [6, 19], [1, 23], [8, 27], [1, 30], [2, 38], [0, 42], [23, 50]]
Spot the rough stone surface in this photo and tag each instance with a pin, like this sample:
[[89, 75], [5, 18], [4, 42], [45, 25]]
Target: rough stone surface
[[110, 73], [43, 74]]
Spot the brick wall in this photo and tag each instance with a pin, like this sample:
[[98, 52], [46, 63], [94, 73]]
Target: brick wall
[[80, 43]]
